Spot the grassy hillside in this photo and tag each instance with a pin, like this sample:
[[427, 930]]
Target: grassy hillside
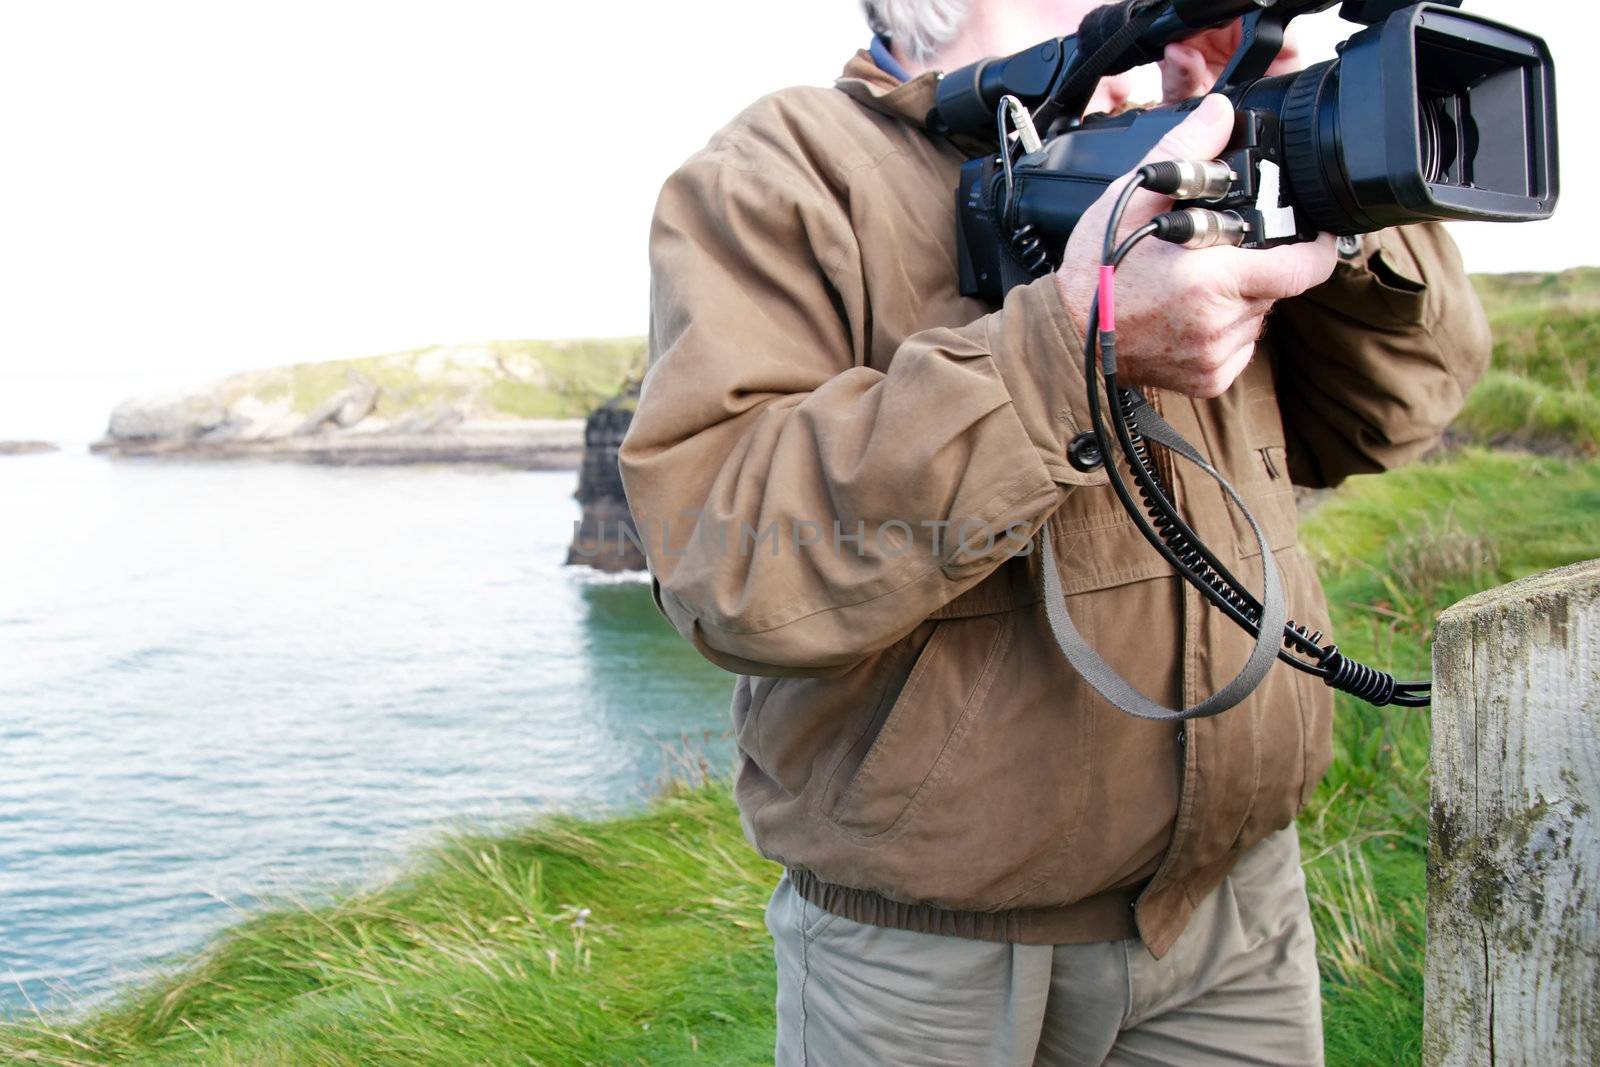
[[1541, 392], [627, 941], [1395, 550], [495, 379], [639, 940]]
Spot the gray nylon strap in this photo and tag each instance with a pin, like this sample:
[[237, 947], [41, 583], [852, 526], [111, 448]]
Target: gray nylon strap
[[1101, 675]]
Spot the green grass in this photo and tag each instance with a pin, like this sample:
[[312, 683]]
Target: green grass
[[495, 379], [1393, 551], [1537, 291], [1542, 390], [478, 953], [632, 940]]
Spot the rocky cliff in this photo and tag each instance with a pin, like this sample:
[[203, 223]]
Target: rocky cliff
[[606, 537], [516, 403]]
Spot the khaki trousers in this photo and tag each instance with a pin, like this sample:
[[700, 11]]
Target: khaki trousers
[[1240, 986]]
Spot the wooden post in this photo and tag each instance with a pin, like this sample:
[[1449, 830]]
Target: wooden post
[[1513, 972]]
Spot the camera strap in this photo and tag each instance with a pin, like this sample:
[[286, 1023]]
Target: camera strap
[[1101, 675], [1106, 36]]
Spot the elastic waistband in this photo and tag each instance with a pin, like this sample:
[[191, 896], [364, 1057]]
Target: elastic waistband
[[1106, 916]]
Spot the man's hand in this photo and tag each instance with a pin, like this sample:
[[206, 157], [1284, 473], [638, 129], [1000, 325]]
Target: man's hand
[[1187, 319], [1192, 66]]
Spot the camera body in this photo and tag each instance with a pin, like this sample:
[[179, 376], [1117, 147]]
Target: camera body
[[1428, 113]]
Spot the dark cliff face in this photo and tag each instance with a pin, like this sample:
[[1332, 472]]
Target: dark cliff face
[[606, 538]]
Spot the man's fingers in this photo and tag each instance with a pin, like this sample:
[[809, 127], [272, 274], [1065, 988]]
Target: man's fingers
[[1202, 135], [1241, 357], [1285, 271], [1242, 351], [1184, 73], [1248, 326], [1244, 333], [1288, 60]]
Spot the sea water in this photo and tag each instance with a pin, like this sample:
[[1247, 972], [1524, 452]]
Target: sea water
[[222, 682]]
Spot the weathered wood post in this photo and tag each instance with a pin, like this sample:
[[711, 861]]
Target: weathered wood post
[[1513, 973]]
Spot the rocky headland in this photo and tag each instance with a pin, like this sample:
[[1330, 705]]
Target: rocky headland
[[606, 538], [26, 448], [510, 403]]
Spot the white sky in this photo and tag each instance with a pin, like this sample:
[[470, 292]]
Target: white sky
[[192, 187]]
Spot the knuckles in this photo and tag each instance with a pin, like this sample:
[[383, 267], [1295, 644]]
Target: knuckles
[[1173, 145], [1211, 385]]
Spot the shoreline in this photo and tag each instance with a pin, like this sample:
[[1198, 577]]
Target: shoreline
[[27, 448], [554, 444], [516, 404], [641, 930]]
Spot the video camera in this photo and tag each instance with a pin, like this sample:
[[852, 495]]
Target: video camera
[[1428, 113]]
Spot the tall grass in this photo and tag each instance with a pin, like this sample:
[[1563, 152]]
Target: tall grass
[[635, 939], [1541, 392], [639, 939], [1393, 551]]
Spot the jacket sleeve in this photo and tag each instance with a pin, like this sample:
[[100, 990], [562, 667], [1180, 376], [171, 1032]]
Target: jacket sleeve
[[1374, 364], [800, 509]]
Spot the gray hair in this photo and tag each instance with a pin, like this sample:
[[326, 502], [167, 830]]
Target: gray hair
[[917, 27]]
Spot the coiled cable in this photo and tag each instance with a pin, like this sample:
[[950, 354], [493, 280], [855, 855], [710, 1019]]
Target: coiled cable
[[1159, 521]]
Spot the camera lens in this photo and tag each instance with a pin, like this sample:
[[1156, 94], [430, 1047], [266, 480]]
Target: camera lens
[[1428, 112], [1440, 139], [1313, 147]]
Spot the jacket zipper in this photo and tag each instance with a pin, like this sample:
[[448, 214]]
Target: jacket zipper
[[1166, 467]]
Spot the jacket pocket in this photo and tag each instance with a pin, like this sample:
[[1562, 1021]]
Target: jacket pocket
[[1278, 514], [1264, 481], [920, 738]]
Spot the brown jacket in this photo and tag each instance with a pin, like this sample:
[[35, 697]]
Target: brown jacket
[[820, 400]]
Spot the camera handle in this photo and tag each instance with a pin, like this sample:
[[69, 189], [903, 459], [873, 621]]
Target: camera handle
[[1260, 40], [1262, 32]]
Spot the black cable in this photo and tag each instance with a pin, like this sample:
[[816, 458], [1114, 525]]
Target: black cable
[[1171, 536], [1005, 155], [1134, 238], [1169, 522], [1158, 501], [1194, 560], [1179, 544], [1091, 374], [1092, 371], [1109, 256], [1249, 622]]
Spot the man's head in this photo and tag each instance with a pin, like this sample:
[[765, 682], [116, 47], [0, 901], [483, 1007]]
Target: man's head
[[946, 34], [918, 28]]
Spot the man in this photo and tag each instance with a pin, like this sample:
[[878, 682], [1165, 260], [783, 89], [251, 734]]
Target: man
[[987, 863]]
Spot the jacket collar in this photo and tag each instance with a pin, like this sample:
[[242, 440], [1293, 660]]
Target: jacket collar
[[873, 87], [911, 102]]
